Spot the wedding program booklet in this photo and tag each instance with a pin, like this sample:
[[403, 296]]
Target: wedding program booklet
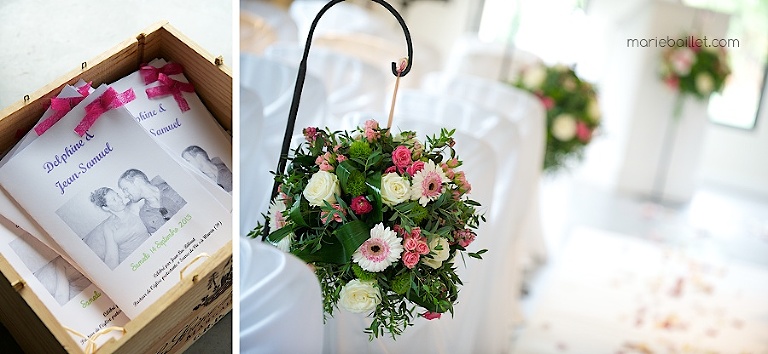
[[175, 116], [114, 200], [69, 296], [69, 95]]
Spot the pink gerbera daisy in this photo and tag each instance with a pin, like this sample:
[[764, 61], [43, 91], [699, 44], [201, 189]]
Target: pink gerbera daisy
[[380, 251], [428, 183]]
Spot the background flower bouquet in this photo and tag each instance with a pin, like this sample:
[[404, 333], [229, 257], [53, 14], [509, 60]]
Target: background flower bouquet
[[380, 217], [694, 68], [572, 111]]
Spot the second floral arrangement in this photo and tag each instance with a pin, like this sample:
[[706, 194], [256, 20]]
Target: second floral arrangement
[[573, 113], [381, 218]]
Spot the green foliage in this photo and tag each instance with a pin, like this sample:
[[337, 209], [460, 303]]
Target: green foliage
[[327, 245], [566, 97]]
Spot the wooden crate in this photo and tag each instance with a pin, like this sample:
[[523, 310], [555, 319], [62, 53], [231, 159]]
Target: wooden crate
[[193, 306]]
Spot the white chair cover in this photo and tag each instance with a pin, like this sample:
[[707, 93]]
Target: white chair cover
[[527, 113], [344, 18], [489, 307], [351, 84], [275, 18], [381, 52], [470, 56], [343, 333], [255, 34], [261, 139], [281, 309]]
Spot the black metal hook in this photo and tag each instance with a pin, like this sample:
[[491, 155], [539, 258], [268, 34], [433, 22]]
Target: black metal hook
[[303, 72]]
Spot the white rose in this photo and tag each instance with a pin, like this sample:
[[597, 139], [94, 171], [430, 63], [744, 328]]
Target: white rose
[[704, 84], [564, 127], [394, 189], [593, 110], [534, 76], [440, 255], [321, 187], [358, 297]]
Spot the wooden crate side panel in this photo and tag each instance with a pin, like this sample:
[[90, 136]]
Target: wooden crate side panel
[[214, 86], [184, 313], [21, 116]]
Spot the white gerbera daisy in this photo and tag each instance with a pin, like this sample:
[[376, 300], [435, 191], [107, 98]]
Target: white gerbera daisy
[[428, 183], [380, 251], [277, 221]]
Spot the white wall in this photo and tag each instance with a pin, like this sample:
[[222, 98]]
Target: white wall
[[738, 158]]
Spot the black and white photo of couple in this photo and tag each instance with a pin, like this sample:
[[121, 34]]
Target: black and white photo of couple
[[125, 216], [59, 277], [213, 168]]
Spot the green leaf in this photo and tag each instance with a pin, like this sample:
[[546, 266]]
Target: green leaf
[[352, 235], [343, 171], [374, 188], [295, 214], [279, 234]]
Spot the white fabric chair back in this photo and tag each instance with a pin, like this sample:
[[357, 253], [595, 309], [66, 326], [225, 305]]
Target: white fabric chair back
[[381, 52], [343, 18], [470, 56], [278, 20], [527, 113], [478, 327], [351, 85], [343, 333], [262, 136], [279, 297]]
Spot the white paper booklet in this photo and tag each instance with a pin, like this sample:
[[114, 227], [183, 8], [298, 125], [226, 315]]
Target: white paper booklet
[[116, 202], [69, 296], [176, 117], [8, 209]]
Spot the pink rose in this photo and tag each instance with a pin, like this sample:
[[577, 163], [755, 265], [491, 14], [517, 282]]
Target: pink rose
[[310, 133], [326, 216], [547, 101], [410, 259], [431, 315], [400, 230], [416, 232], [448, 171], [410, 243], [325, 166], [452, 163], [401, 157], [464, 237], [371, 130], [672, 81], [415, 167], [583, 132], [341, 158], [324, 161], [390, 169], [422, 248], [360, 205], [461, 180]]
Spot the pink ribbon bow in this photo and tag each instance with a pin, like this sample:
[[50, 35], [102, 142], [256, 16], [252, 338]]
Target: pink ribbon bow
[[110, 99], [84, 90], [151, 74], [173, 87], [61, 106]]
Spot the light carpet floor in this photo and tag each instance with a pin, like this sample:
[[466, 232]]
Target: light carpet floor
[[610, 293]]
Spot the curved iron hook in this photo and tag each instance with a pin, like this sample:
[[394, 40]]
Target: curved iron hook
[[303, 73]]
